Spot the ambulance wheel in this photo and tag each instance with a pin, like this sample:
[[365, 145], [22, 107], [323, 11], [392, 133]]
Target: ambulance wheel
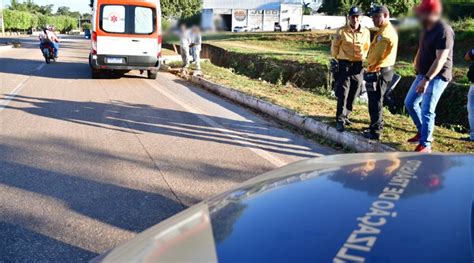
[[152, 74], [95, 74]]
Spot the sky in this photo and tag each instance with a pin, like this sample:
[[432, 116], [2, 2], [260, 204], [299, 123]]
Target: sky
[[75, 5]]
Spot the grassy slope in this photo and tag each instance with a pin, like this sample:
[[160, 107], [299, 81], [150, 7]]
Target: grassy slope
[[398, 128], [168, 52], [315, 47], [299, 47]]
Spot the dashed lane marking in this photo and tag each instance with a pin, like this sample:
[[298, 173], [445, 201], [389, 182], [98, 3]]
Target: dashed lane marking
[[251, 146], [10, 96]]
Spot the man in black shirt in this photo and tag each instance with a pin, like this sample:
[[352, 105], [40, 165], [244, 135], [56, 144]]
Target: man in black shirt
[[434, 65]]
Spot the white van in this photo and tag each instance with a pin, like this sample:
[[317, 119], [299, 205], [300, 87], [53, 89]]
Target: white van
[[126, 35]]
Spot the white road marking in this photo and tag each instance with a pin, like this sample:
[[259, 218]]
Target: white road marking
[[231, 134], [10, 96], [40, 66]]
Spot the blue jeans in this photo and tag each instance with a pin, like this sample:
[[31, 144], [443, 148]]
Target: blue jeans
[[196, 53], [422, 107], [470, 109], [56, 49]]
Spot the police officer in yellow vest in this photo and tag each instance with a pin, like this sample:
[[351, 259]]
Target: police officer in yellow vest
[[349, 47], [381, 60]]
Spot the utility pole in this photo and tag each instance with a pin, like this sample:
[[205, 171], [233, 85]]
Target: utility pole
[[2, 24]]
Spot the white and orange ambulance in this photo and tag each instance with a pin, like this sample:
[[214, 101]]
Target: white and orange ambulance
[[126, 35]]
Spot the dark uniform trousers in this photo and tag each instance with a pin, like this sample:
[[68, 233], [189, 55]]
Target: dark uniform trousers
[[376, 98], [348, 86]]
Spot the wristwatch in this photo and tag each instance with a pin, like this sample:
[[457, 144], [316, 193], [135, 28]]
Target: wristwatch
[[427, 78]]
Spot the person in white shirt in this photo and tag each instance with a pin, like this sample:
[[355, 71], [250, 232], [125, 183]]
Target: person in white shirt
[[54, 39], [47, 36], [43, 38], [196, 46], [185, 41]]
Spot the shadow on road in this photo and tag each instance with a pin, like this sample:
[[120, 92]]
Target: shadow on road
[[127, 117], [57, 70], [110, 197], [126, 208], [33, 42], [18, 244]]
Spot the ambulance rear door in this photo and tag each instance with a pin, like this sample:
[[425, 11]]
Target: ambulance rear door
[[127, 30]]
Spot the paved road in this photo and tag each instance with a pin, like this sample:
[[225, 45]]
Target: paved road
[[86, 164]]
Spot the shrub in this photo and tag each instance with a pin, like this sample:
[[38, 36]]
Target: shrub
[[86, 26], [17, 20], [22, 20]]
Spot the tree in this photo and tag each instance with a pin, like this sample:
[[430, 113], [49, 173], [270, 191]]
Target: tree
[[307, 9], [86, 26], [330, 7], [340, 7], [400, 7], [31, 6], [63, 11], [182, 9], [345, 5], [46, 10], [17, 20], [14, 5], [75, 14], [87, 16], [25, 15]]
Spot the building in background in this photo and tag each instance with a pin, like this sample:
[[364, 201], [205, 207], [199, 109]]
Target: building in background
[[264, 15], [253, 15]]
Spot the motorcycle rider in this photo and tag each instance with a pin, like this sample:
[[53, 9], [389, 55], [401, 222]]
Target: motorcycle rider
[[43, 38], [48, 36]]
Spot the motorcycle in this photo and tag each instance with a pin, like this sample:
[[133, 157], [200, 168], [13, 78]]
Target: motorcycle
[[48, 52]]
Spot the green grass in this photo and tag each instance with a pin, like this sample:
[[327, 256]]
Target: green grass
[[398, 128], [315, 47], [168, 52], [301, 47]]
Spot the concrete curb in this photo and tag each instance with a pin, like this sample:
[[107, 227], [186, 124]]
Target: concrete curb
[[347, 139], [4, 48], [171, 58]]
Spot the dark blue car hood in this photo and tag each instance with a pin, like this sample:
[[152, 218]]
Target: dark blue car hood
[[374, 208]]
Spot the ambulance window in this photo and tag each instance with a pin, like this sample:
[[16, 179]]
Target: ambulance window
[[144, 20], [113, 18]]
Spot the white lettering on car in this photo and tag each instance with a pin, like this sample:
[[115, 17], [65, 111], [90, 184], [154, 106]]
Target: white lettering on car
[[362, 239]]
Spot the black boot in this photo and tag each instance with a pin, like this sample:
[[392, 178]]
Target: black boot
[[371, 135], [340, 127]]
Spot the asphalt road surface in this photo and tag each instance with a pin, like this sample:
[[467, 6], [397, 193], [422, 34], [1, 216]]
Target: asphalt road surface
[[87, 164]]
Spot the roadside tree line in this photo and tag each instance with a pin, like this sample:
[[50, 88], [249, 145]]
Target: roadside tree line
[[456, 9], [22, 15], [23, 20]]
